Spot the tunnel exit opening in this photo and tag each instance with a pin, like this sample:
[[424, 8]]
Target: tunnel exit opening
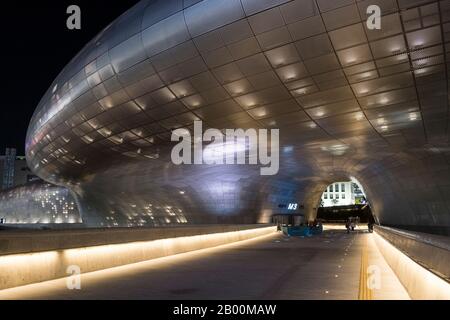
[[345, 203]]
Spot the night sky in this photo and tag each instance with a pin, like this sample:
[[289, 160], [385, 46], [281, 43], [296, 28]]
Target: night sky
[[35, 46]]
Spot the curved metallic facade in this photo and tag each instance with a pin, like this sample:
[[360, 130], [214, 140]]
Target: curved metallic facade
[[349, 101], [38, 203]]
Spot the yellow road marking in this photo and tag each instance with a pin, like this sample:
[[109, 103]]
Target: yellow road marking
[[365, 293]]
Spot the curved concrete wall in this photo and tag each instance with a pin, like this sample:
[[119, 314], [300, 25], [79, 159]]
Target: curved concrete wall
[[356, 105], [30, 257]]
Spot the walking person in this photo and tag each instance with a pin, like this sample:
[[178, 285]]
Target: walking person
[[347, 226], [370, 226]]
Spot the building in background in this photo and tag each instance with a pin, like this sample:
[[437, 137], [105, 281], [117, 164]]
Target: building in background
[[8, 168], [343, 194], [360, 197], [14, 169]]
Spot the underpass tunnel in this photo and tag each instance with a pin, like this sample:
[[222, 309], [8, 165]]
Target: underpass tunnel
[[342, 201], [409, 190]]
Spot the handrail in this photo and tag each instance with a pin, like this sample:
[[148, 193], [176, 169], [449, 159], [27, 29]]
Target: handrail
[[430, 251], [442, 242]]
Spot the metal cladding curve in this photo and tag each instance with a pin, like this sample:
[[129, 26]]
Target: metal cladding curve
[[38, 203], [349, 102]]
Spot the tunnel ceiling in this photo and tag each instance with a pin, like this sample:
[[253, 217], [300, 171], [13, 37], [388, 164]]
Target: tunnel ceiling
[[348, 100]]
